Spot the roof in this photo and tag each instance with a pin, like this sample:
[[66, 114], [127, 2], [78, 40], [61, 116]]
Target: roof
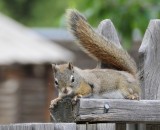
[[55, 34], [19, 44]]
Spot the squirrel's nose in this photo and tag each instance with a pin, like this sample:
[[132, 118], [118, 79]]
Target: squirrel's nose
[[65, 91]]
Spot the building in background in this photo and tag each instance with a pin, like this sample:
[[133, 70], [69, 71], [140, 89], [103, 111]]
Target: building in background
[[26, 81]]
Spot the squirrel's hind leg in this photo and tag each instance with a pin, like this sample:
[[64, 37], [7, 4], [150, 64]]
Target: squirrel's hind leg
[[128, 91]]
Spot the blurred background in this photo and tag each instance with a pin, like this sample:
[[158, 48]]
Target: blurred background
[[33, 35]]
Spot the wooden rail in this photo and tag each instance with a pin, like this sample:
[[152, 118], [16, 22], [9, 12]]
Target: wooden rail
[[112, 110], [108, 110]]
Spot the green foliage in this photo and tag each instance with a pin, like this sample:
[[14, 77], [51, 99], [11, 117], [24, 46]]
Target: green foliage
[[19, 9], [125, 14]]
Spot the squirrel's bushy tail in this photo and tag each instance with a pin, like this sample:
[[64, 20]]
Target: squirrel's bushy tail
[[98, 46]]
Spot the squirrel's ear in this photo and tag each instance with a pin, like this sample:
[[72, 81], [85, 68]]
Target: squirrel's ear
[[54, 68], [70, 66]]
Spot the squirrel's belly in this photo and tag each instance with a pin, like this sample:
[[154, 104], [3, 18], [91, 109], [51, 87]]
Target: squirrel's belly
[[110, 95]]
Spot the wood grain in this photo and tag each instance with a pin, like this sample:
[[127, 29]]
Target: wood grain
[[107, 29], [105, 126], [150, 61], [149, 64], [63, 111], [92, 110], [39, 126], [81, 127]]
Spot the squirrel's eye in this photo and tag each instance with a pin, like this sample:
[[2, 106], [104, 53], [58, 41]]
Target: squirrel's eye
[[72, 78], [56, 82]]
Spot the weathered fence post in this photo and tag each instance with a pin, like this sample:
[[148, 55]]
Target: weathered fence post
[[107, 29], [63, 111], [150, 64]]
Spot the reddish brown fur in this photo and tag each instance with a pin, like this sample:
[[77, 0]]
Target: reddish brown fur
[[97, 46], [84, 89]]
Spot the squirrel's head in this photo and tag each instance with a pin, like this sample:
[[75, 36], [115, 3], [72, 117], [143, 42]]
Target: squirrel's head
[[64, 78]]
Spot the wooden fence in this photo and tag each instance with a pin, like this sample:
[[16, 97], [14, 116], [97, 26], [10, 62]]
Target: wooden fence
[[144, 113], [111, 114], [39, 126]]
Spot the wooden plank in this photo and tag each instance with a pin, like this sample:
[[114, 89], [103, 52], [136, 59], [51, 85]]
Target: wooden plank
[[153, 127], [141, 126], [133, 126], [39, 126], [105, 126], [64, 126], [91, 126], [81, 127], [96, 126], [16, 127], [107, 29], [93, 110], [121, 126], [43, 126], [149, 61], [63, 111]]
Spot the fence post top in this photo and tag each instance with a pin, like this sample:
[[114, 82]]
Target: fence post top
[[151, 33], [107, 29]]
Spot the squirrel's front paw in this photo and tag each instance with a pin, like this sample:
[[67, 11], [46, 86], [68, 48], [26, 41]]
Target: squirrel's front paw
[[74, 100], [133, 97], [54, 102]]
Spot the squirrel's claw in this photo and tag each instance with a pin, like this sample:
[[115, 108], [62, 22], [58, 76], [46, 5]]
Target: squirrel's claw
[[75, 98], [54, 103], [133, 97]]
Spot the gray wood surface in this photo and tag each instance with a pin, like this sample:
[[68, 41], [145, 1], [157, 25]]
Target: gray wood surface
[[92, 110], [63, 111], [39, 126], [122, 126], [150, 61], [92, 126], [107, 29], [105, 126], [81, 127]]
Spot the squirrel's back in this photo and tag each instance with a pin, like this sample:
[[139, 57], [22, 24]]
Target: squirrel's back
[[98, 46]]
